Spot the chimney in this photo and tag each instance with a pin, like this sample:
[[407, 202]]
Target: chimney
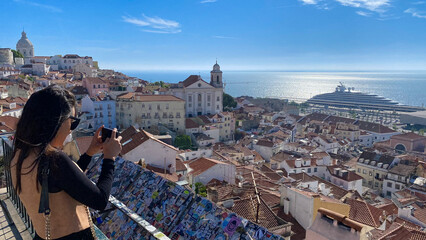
[[212, 194], [298, 162], [286, 205], [336, 171]]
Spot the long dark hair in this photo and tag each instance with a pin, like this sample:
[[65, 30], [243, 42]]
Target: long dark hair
[[41, 118]]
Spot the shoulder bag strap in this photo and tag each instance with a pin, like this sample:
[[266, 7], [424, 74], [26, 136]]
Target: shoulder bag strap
[[44, 196]]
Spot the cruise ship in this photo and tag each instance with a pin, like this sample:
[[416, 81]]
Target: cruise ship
[[349, 98]]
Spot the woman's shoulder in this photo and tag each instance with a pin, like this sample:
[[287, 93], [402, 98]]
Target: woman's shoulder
[[58, 159]]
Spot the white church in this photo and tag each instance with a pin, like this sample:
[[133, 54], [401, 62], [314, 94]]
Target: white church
[[201, 97]]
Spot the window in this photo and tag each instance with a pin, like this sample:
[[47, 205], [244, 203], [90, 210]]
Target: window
[[309, 170], [208, 98], [189, 105], [217, 107], [389, 184], [199, 98], [94, 86], [149, 107], [370, 183], [218, 98], [65, 61], [376, 184], [190, 98], [167, 106], [143, 105], [397, 186], [364, 171], [359, 170], [158, 107], [370, 173], [315, 170]]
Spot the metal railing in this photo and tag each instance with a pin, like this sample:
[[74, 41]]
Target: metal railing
[[19, 206], [7, 155]]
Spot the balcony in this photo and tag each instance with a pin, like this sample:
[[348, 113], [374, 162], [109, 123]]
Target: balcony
[[156, 209]]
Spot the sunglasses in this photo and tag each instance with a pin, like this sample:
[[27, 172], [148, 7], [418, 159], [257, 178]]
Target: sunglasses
[[74, 123]]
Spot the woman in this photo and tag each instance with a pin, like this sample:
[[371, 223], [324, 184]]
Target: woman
[[47, 119]]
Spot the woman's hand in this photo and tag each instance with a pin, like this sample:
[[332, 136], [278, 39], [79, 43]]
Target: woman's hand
[[112, 146], [96, 144]]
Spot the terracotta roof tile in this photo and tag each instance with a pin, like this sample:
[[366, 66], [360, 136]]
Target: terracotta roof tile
[[83, 143], [200, 165], [408, 136], [9, 121], [180, 166], [247, 208], [364, 213], [349, 176]]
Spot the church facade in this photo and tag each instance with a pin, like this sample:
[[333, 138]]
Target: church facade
[[201, 97]]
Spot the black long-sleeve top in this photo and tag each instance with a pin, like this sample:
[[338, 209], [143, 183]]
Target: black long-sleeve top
[[65, 175]]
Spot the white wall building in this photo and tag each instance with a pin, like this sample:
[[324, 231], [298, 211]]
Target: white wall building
[[138, 145], [346, 179], [201, 98], [205, 169]]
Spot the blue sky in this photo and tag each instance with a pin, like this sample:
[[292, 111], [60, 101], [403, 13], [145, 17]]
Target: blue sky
[[242, 34]]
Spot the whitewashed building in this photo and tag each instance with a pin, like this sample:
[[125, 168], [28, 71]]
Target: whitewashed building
[[139, 145], [202, 98], [205, 169]]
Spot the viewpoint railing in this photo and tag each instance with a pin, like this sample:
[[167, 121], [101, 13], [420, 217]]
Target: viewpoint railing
[[143, 205]]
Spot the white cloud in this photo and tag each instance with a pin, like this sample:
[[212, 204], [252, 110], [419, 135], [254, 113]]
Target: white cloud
[[47, 7], [419, 2], [364, 14], [415, 13], [309, 2], [208, 1], [154, 24], [135, 21], [223, 37], [372, 5]]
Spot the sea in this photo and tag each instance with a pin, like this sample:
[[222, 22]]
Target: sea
[[407, 88]]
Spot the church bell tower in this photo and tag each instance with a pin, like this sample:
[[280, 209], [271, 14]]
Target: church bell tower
[[216, 76]]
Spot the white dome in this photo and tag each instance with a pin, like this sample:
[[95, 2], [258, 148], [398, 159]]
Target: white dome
[[24, 42]]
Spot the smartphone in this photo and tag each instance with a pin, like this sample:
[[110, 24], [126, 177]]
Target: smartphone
[[106, 133]]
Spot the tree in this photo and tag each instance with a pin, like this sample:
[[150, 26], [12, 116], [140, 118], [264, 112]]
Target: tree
[[228, 101], [200, 189], [422, 132], [239, 135], [183, 142], [17, 54]]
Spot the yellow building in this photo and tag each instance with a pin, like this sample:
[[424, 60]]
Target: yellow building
[[373, 167], [144, 111], [347, 131]]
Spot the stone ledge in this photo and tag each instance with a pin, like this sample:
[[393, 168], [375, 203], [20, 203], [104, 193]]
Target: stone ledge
[[13, 228]]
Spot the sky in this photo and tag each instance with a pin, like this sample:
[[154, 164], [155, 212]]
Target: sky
[[284, 35]]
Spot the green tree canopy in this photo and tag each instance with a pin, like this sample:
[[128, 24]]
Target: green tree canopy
[[183, 142], [200, 189], [228, 101], [17, 54]]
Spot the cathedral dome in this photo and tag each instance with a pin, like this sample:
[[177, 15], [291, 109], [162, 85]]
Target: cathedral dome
[[24, 42]]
